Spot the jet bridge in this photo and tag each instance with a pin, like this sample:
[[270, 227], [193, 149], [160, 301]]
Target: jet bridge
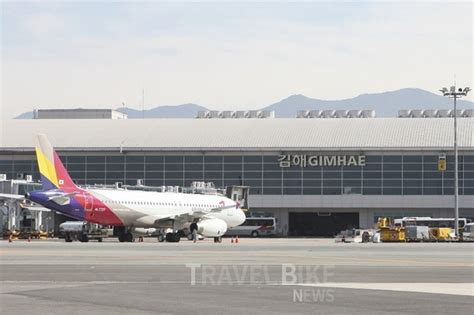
[[239, 194], [20, 215]]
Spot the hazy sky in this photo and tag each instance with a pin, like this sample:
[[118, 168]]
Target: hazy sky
[[225, 54]]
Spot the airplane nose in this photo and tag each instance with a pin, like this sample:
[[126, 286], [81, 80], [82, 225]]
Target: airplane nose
[[241, 217]]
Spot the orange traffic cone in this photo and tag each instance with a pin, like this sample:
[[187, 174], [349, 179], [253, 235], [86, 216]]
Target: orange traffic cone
[[237, 239]]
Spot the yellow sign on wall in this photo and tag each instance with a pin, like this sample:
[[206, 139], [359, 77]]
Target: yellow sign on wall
[[442, 165]]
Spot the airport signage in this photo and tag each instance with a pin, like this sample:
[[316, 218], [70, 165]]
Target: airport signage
[[442, 163], [303, 160]]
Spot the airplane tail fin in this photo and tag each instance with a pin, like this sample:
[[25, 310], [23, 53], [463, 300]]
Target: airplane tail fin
[[53, 173]]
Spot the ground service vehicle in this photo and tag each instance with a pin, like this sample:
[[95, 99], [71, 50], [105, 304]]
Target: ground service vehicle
[[468, 233], [355, 236], [82, 231], [254, 226]]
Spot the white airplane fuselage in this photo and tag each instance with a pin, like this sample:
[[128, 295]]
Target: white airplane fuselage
[[210, 215], [131, 206]]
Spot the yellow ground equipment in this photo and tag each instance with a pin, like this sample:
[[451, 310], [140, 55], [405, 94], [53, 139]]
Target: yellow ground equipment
[[383, 223], [441, 234], [13, 235], [389, 232], [43, 235], [392, 234]]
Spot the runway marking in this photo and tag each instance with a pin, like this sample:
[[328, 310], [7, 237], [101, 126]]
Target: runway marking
[[466, 289], [21, 286], [463, 289], [331, 260]]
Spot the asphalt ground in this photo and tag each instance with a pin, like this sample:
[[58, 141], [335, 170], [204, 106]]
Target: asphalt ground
[[277, 276]]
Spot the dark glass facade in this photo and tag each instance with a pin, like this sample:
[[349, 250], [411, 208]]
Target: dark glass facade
[[387, 174]]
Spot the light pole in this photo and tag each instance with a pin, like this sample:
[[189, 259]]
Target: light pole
[[452, 93]]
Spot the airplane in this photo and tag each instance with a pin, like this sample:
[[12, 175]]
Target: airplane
[[207, 215]]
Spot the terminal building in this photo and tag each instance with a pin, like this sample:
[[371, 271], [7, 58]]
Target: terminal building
[[316, 176]]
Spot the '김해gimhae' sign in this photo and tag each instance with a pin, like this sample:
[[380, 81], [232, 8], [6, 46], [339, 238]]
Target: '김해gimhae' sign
[[304, 160]]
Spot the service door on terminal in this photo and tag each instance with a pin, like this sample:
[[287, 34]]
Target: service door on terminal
[[323, 224]]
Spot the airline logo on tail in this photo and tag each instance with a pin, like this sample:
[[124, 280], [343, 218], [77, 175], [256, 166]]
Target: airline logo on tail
[[59, 192], [53, 173]]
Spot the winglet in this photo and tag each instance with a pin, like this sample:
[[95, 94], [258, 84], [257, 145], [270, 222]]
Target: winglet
[[53, 173]]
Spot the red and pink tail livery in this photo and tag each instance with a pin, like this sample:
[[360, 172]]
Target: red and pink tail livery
[[53, 173]]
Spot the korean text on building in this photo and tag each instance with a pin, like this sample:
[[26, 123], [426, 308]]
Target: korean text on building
[[304, 160]]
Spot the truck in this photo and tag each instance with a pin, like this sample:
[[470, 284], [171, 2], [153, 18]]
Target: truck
[[355, 236], [82, 231]]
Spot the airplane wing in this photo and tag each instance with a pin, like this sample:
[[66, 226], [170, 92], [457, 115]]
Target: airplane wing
[[182, 217], [157, 219], [154, 219], [11, 197]]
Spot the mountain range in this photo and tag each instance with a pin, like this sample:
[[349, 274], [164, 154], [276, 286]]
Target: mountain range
[[385, 104]]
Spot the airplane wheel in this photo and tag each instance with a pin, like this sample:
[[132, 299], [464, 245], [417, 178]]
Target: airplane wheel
[[218, 239], [365, 237], [173, 237], [176, 237], [129, 237], [84, 238]]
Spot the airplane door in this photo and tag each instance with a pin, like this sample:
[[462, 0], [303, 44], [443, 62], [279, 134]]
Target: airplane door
[[88, 202]]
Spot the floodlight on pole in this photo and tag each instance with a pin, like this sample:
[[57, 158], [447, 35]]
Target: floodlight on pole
[[452, 93]]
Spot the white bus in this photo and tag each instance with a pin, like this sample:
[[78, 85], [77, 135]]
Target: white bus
[[468, 233], [255, 227], [430, 222]]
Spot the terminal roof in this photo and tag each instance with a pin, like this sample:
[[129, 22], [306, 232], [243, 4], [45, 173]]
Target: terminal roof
[[241, 134]]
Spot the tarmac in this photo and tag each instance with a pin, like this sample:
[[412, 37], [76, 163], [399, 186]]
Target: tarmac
[[255, 276]]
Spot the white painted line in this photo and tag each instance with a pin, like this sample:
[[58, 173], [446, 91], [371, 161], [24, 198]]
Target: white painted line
[[425, 287]]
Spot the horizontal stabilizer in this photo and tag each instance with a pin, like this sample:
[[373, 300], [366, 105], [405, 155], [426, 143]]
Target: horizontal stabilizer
[[62, 199]]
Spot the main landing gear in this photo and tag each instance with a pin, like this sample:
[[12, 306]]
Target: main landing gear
[[126, 237], [173, 237], [169, 237], [124, 234]]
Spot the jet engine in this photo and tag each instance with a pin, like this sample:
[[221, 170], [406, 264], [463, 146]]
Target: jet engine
[[211, 227]]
